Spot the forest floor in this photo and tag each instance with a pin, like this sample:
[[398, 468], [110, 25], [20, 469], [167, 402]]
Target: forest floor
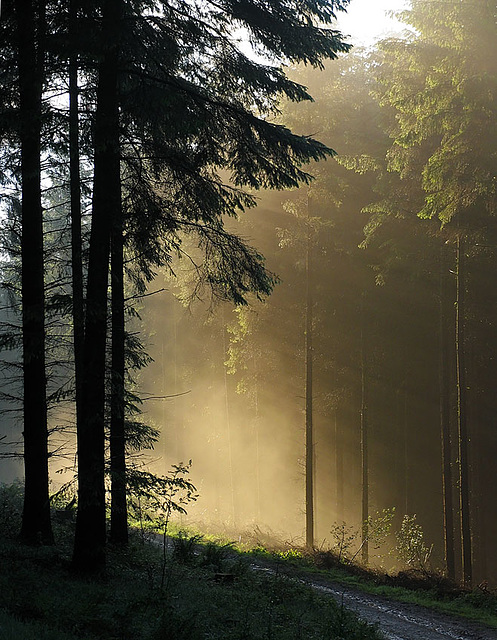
[[395, 619], [195, 592], [406, 606], [195, 589]]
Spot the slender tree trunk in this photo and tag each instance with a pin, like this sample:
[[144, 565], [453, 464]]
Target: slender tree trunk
[[339, 475], [257, 428], [229, 438], [119, 513], [463, 439], [364, 445], [401, 459], [89, 545], [75, 195], [309, 435], [405, 445], [448, 509], [36, 525]]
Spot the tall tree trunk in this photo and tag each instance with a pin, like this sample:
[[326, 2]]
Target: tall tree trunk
[[36, 525], [309, 435], [89, 544], [119, 513], [339, 475], [404, 450], [448, 509], [229, 438], [75, 195], [257, 429], [401, 449], [364, 445], [463, 439]]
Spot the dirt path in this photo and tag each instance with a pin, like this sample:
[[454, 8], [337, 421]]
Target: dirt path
[[396, 620]]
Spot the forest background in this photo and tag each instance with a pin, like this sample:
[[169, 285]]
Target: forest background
[[378, 341], [391, 248]]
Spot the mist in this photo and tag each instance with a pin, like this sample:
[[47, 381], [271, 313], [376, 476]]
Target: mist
[[376, 238], [364, 384]]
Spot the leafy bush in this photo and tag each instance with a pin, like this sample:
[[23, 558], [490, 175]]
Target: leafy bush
[[411, 548], [345, 538]]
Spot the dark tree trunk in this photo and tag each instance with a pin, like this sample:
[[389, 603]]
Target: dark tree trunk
[[364, 445], [229, 435], [401, 449], [89, 544], [339, 475], [257, 429], [446, 312], [36, 525], [463, 439], [75, 194], [404, 451], [119, 514], [309, 436]]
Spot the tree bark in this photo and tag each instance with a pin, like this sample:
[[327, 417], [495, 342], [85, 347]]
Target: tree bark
[[364, 446], [257, 429], [229, 438], [36, 526], [463, 440], [119, 513], [309, 435], [75, 195], [448, 509], [89, 544], [339, 474]]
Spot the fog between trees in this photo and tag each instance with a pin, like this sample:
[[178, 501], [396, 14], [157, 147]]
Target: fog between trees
[[379, 338], [401, 230]]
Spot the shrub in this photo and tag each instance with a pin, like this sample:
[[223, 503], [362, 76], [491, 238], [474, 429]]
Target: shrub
[[11, 500], [411, 548]]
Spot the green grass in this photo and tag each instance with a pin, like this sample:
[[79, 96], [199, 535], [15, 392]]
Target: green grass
[[431, 591], [206, 591], [41, 599]]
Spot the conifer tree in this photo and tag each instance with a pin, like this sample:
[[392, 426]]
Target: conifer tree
[[175, 110], [89, 545], [443, 145], [30, 29]]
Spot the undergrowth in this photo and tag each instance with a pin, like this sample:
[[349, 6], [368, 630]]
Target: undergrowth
[[209, 591], [209, 594], [411, 586]]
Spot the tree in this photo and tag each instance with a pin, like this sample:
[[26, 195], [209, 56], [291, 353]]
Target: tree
[[446, 309], [75, 204], [445, 113], [219, 129], [89, 544], [30, 26], [309, 427], [341, 85], [119, 514]]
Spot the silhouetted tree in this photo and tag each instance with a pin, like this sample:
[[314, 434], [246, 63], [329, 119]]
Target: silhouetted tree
[[216, 129], [30, 29]]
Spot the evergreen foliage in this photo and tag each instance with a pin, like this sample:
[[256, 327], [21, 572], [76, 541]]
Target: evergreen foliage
[[175, 122]]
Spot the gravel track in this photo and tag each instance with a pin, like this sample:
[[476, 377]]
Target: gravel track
[[397, 620]]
